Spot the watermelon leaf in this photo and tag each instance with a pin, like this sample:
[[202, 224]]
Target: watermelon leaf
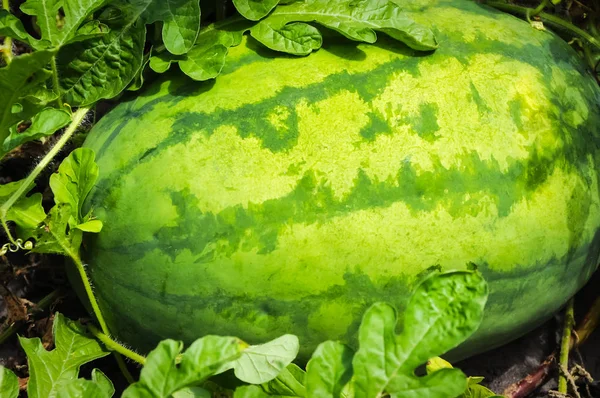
[[181, 23], [163, 374], [262, 363], [207, 58], [329, 370], [161, 62], [74, 180], [356, 19], [255, 9], [27, 212], [204, 62], [474, 389], [47, 12], [385, 362], [99, 387], [289, 382], [18, 79], [55, 237], [295, 38], [9, 384], [89, 71], [287, 28], [43, 124], [192, 392], [252, 392], [256, 392], [11, 26], [64, 226], [51, 371]]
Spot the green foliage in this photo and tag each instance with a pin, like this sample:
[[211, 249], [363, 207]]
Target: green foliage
[[286, 28], [181, 23], [255, 10], [43, 124], [88, 69], [167, 371], [9, 384], [51, 372], [329, 369], [21, 77], [99, 386], [262, 363], [383, 365], [290, 382], [11, 26], [27, 213], [47, 12], [385, 362], [74, 180], [474, 389], [62, 229], [94, 49], [431, 327]]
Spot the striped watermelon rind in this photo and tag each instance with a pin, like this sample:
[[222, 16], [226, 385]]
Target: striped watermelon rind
[[291, 193]]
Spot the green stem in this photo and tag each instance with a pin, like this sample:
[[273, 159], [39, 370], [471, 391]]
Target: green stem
[[77, 118], [537, 10], [11, 239], [123, 368], [42, 305], [86, 285], [565, 346], [7, 47], [114, 346], [55, 83], [548, 19]]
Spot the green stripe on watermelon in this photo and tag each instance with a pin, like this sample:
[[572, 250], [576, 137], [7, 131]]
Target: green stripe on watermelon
[[293, 192]]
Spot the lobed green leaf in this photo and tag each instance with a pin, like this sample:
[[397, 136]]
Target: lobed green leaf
[[99, 387], [255, 10], [329, 370], [55, 236], [162, 375], [51, 371], [74, 180], [288, 28], [181, 22], [289, 382], [161, 62], [295, 38], [102, 67], [192, 392], [27, 212], [18, 79], [444, 310], [207, 58], [47, 11], [262, 363], [43, 124], [356, 19], [65, 223], [11, 26], [203, 63]]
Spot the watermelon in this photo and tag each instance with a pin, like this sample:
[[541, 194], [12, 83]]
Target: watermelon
[[291, 193]]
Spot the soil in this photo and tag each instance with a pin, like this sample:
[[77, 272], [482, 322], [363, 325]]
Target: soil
[[512, 362]]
